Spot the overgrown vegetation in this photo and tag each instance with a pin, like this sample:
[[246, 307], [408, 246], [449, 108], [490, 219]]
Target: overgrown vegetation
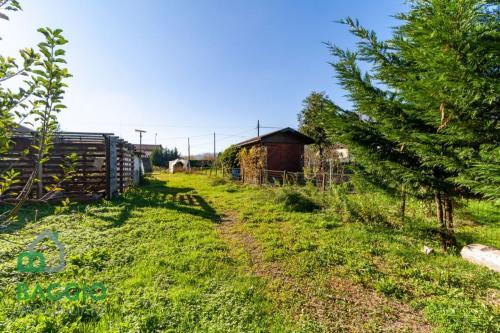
[[252, 162], [157, 252], [167, 268], [295, 200]]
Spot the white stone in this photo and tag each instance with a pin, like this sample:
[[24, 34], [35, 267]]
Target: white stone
[[427, 250], [482, 255]]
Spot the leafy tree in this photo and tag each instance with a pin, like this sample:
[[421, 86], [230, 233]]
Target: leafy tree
[[158, 158], [13, 103], [230, 157], [427, 109], [40, 99], [314, 106]]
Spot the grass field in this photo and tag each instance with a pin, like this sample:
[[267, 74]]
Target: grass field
[[189, 253]]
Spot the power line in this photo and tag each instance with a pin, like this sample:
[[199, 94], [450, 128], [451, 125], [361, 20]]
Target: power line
[[222, 137], [184, 137]]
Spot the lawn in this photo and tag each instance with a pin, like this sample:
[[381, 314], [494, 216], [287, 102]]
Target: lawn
[[189, 253]]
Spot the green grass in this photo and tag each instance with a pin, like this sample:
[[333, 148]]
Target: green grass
[[168, 267], [161, 260]]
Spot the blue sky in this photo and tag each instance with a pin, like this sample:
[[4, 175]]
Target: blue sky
[[190, 68]]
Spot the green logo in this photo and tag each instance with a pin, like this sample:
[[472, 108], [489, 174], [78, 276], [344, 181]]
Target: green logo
[[36, 260], [32, 261], [55, 292]]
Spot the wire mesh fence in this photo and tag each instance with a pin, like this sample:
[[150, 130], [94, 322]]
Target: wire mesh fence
[[278, 177]]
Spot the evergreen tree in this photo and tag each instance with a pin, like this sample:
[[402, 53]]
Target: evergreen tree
[[428, 108], [316, 104], [158, 158], [171, 154]]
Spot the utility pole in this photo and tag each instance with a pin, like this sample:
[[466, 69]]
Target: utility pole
[[258, 127], [141, 170], [215, 157], [156, 134], [140, 139], [189, 155]]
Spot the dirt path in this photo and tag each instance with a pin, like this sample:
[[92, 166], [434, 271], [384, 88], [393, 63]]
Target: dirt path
[[338, 304]]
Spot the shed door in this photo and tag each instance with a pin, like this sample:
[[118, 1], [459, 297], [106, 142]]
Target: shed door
[[284, 156]]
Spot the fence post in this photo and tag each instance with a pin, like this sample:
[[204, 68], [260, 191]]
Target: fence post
[[122, 174], [284, 177], [330, 183], [111, 167]]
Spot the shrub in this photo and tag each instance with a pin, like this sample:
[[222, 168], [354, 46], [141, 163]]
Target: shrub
[[362, 208], [231, 188], [296, 201], [389, 287], [252, 162], [219, 181], [229, 157]]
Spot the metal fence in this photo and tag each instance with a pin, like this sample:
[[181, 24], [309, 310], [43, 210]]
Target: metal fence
[[277, 177]]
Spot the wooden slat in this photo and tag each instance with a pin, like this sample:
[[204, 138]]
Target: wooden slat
[[91, 150]]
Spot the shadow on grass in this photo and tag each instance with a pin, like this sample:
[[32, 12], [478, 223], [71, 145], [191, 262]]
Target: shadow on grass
[[156, 194], [484, 213], [29, 213]]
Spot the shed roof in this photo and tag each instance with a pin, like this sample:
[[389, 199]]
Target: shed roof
[[288, 131]]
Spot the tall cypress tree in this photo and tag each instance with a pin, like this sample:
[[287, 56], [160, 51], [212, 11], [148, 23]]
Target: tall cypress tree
[[428, 109]]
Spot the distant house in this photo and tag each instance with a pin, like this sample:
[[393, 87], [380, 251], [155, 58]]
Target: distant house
[[146, 149], [341, 152], [284, 149]]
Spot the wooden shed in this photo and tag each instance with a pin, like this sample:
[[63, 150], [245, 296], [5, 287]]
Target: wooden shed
[[284, 149]]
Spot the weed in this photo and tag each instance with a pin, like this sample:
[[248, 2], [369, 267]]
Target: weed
[[219, 181], [296, 201]]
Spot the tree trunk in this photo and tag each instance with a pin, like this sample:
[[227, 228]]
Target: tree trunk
[[321, 159], [448, 209], [444, 210], [440, 218]]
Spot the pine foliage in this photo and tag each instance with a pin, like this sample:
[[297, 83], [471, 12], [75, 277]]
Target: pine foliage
[[425, 115]]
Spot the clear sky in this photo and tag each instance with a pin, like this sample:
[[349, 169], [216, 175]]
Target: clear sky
[[190, 68]]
